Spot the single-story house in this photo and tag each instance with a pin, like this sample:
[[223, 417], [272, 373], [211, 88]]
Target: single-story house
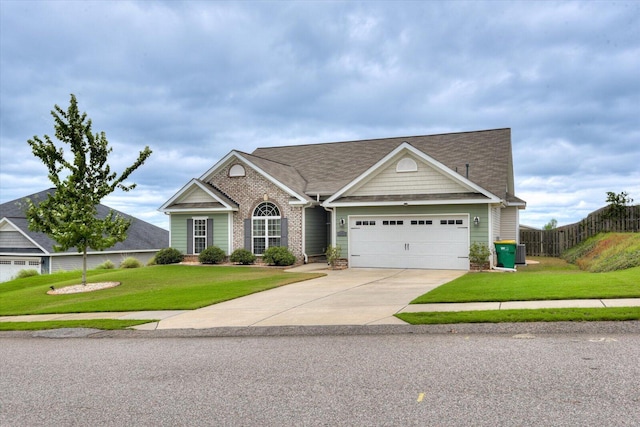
[[23, 249], [406, 202]]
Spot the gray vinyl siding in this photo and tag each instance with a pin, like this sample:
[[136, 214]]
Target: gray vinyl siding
[[478, 233], [315, 231], [74, 262], [178, 227], [14, 239]]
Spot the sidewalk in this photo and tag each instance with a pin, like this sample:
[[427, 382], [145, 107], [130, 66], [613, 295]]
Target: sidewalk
[[519, 305], [412, 308]]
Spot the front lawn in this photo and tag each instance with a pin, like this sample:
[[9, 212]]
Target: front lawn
[[166, 287], [552, 279]]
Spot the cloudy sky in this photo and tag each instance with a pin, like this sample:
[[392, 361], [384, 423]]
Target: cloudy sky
[[194, 80]]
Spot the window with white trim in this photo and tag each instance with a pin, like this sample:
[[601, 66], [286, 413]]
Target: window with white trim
[[266, 227], [199, 235]]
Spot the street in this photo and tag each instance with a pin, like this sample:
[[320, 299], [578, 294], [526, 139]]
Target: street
[[454, 379]]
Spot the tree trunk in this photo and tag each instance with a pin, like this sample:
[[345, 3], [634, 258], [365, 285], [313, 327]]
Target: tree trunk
[[84, 267]]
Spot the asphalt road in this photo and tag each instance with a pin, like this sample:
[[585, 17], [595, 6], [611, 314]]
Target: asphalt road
[[329, 377]]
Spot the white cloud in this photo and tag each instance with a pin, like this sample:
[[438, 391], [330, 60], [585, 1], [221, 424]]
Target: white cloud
[[194, 80]]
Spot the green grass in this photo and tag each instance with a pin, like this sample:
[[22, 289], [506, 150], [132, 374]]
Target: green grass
[[538, 315], [104, 324], [167, 287], [552, 279]]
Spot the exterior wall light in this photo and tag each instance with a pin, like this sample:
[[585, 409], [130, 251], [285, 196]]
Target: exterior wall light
[[476, 221], [342, 222]]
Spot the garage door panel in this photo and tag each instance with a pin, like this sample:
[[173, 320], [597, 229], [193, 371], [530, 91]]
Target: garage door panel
[[440, 242]]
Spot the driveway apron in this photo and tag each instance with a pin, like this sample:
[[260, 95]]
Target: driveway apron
[[358, 296]]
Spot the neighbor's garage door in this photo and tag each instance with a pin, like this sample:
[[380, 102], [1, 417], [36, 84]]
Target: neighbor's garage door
[[434, 241], [10, 267]]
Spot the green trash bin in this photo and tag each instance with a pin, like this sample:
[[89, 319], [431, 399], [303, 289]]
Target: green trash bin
[[506, 252]]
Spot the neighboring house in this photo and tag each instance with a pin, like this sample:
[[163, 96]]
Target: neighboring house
[[22, 249], [408, 202]]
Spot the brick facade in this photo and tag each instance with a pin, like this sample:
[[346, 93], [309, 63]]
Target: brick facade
[[251, 190]]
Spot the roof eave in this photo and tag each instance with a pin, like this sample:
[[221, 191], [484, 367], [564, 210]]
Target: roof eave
[[338, 204]]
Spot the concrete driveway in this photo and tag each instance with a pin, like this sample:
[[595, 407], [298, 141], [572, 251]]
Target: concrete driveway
[[359, 296]]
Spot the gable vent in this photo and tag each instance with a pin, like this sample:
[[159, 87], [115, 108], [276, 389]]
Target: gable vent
[[407, 165]]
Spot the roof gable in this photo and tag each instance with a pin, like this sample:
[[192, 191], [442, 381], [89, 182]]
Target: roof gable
[[403, 174], [140, 236], [376, 181], [285, 177], [198, 196]]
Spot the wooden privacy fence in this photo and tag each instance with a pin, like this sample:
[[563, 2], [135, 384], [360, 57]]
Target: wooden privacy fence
[[554, 242]]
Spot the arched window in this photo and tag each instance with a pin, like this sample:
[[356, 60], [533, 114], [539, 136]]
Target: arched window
[[407, 164], [237, 170], [266, 227]]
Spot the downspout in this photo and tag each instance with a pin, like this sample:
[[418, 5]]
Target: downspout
[[490, 233], [304, 232], [333, 224]]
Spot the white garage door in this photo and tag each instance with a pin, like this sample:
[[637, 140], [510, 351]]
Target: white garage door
[[10, 267], [433, 241]]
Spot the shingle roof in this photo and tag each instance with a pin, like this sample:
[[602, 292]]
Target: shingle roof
[[326, 168], [140, 236]]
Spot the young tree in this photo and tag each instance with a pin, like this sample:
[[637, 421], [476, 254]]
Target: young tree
[[617, 204], [69, 215], [551, 225]]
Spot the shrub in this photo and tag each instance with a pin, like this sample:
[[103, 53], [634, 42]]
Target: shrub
[[130, 262], [479, 253], [168, 256], [212, 255], [23, 274], [242, 256], [333, 254], [107, 265], [278, 255]]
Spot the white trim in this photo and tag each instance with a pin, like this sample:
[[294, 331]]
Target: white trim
[[411, 203], [428, 159], [203, 187], [239, 156], [193, 232], [230, 232]]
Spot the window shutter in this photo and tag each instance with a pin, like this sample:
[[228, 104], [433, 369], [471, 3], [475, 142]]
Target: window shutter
[[209, 232], [190, 236], [284, 232], [247, 234]]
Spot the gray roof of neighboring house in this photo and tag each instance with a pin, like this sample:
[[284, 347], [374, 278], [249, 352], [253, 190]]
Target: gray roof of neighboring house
[[140, 236], [326, 168]]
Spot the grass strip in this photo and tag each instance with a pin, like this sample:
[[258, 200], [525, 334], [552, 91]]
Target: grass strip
[[104, 324], [531, 315]]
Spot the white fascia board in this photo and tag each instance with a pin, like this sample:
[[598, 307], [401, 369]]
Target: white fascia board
[[409, 203], [405, 146], [239, 156], [187, 187], [22, 255], [199, 210], [6, 220], [518, 204]]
